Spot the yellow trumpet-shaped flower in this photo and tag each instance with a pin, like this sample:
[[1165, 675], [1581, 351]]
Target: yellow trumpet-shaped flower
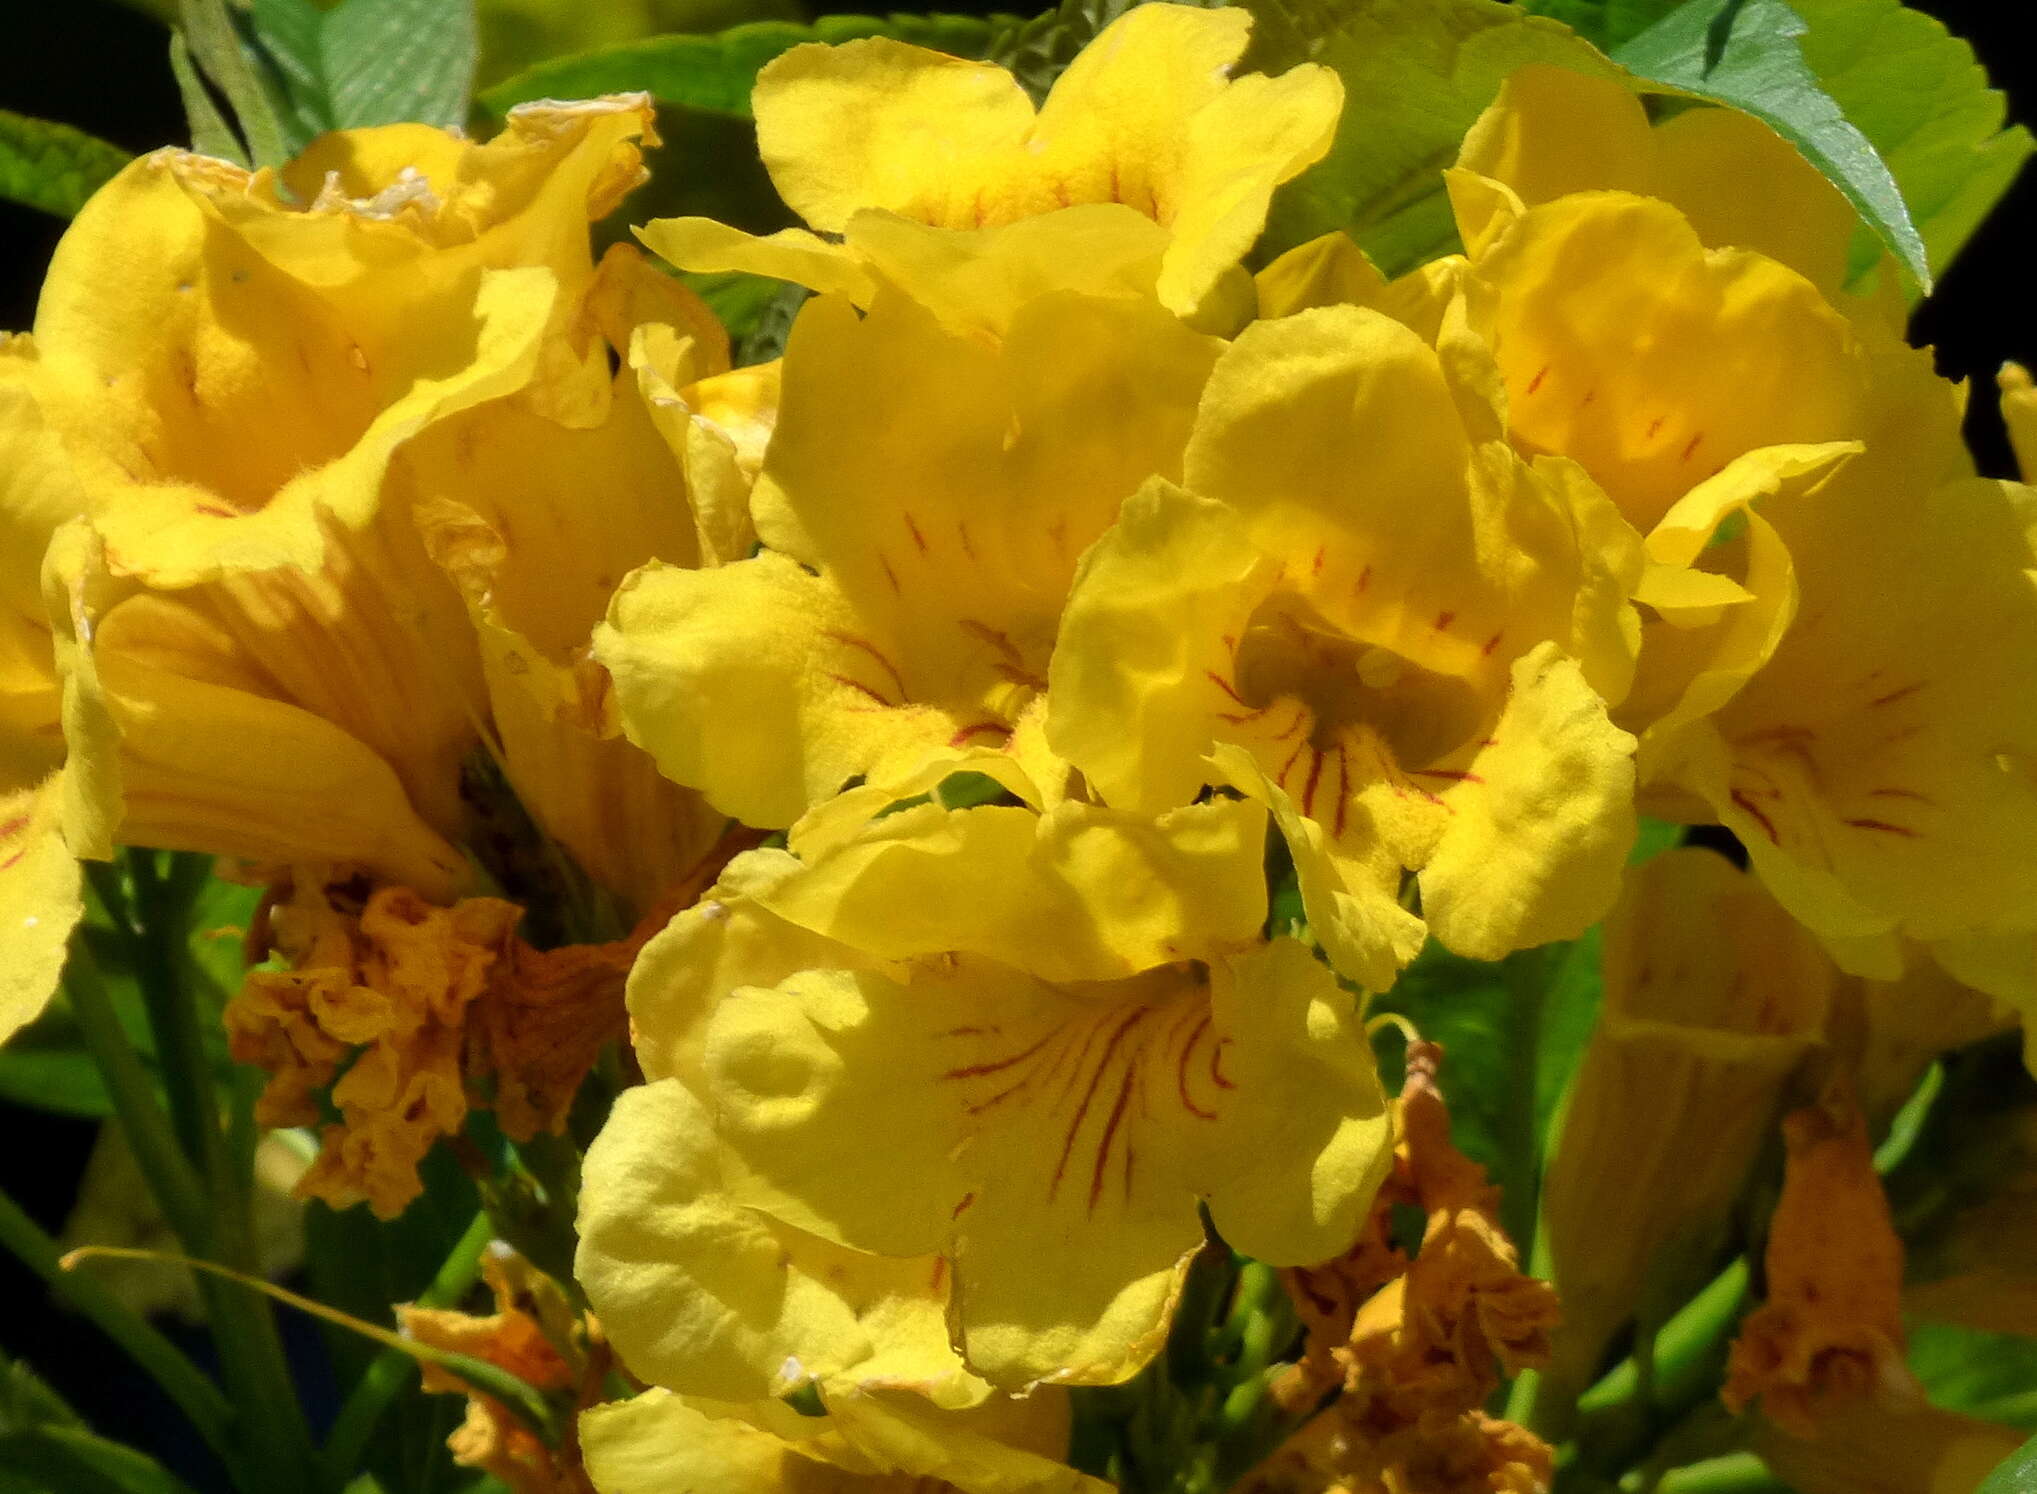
[[229, 377], [537, 523], [865, 1444], [1878, 767], [925, 499], [1552, 132], [38, 492], [1714, 998], [1392, 628], [1147, 116], [41, 901], [1061, 1071]]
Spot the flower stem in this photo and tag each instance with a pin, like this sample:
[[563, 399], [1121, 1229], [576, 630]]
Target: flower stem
[[142, 1120], [244, 1328], [389, 1371]]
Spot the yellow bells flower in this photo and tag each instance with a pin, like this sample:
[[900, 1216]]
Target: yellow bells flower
[[1877, 768], [1714, 999], [536, 523], [866, 1444], [38, 492], [230, 375], [1399, 633], [1147, 116], [1060, 1073], [702, 1294], [1552, 132], [395, 220], [179, 739], [41, 901], [924, 500]]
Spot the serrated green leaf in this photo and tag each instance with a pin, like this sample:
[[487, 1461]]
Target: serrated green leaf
[[1746, 54], [716, 73], [388, 61], [50, 166], [1918, 94], [2017, 1476], [1416, 74]]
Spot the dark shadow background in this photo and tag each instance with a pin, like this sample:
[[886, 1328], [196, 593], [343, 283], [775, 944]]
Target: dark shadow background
[[105, 69]]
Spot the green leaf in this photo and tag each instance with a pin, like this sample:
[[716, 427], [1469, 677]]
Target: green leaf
[[76, 1462], [1967, 1370], [216, 47], [716, 73], [2017, 1476], [211, 135], [1604, 23], [50, 166], [1416, 74], [1512, 1033], [1919, 96], [1039, 51], [387, 61], [1746, 54]]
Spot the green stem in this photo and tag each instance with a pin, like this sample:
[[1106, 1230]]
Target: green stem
[[147, 1129], [1528, 989], [244, 1328], [197, 1397], [1623, 1413], [389, 1371], [1735, 1473]]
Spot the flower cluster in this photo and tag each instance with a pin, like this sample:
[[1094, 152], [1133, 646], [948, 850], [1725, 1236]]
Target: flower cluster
[[893, 739]]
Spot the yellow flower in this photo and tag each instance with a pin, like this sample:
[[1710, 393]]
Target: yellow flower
[[1714, 999], [1553, 132], [38, 491], [41, 901], [1147, 116], [1024, 1043], [1393, 629], [1878, 768], [229, 377], [925, 498], [536, 523], [1830, 1331], [866, 1444]]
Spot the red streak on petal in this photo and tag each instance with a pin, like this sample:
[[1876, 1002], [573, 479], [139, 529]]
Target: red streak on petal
[[1895, 695], [1308, 792], [1110, 1131], [917, 538], [1224, 685], [1444, 619], [1343, 788], [976, 1070], [1536, 382], [1690, 449], [1081, 1111], [1767, 825], [1885, 826], [1216, 1065], [861, 688]]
